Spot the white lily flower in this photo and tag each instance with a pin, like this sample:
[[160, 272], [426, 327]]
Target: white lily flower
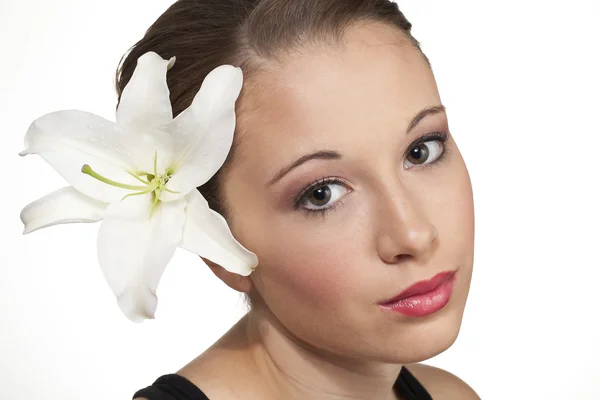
[[139, 176]]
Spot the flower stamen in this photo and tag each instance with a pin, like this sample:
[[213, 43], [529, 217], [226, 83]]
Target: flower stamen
[[140, 179], [137, 193]]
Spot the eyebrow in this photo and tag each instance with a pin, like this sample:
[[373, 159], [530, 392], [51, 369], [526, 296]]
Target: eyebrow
[[319, 155], [334, 155], [424, 113]]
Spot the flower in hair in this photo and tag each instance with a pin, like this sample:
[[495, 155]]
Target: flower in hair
[[139, 176]]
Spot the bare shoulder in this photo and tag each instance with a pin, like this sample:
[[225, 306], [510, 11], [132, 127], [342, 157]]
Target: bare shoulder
[[442, 384]]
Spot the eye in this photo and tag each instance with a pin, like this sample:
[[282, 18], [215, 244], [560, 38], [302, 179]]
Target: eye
[[323, 195], [426, 152]]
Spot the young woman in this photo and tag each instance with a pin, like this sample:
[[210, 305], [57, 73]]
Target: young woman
[[346, 183]]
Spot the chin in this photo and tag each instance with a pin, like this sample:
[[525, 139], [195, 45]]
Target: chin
[[421, 339]]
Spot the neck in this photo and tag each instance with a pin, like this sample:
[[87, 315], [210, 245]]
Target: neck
[[290, 369]]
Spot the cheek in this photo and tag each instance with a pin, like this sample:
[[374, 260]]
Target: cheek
[[462, 204], [455, 216], [300, 268], [302, 260], [321, 265]]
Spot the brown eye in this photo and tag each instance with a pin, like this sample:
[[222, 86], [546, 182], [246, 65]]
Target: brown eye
[[320, 196], [425, 153], [323, 196], [419, 154]]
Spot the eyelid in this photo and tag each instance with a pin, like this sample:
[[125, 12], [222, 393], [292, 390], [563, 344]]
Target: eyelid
[[439, 136], [316, 184]]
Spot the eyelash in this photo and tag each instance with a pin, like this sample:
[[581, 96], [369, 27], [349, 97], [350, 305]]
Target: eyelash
[[438, 136], [314, 186]]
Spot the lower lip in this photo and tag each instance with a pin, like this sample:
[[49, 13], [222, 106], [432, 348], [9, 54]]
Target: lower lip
[[424, 304]]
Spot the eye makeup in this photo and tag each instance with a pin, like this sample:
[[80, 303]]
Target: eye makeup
[[437, 136], [320, 184], [314, 187]]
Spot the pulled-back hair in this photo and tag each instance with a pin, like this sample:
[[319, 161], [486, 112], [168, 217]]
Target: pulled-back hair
[[204, 34]]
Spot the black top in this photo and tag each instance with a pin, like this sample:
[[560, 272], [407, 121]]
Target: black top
[[176, 387]]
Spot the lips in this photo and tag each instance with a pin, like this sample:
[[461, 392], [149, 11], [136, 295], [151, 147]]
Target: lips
[[422, 287]]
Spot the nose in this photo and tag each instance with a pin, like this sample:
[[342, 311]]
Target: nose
[[404, 230]]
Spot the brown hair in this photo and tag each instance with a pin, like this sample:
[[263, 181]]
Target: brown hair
[[204, 34]]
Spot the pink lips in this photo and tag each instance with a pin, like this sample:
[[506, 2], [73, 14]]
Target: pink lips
[[424, 297]]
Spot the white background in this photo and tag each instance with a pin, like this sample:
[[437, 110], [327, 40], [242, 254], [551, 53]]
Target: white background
[[521, 83]]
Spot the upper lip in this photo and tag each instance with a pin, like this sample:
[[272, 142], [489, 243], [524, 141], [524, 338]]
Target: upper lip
[[422, 286]]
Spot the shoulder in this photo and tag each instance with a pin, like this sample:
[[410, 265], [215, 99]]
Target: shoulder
[[441, 383]]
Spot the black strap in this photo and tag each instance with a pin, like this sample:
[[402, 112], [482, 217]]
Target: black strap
[[171, 387], [176, 387], [408, 386]]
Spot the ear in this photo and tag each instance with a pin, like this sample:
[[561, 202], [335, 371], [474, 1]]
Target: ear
[[236, 282]]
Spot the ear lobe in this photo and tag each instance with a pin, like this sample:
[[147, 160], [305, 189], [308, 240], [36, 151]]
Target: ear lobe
[[236, 282]]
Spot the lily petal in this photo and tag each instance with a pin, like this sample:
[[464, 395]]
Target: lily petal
[[145, 110], [203, 133], [63, 206], [145, 99], [207, 234], [69, 139], [134, 249]]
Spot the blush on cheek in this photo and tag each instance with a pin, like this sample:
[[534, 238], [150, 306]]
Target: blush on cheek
[[314, 279]]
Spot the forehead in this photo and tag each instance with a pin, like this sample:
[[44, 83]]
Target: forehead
[[338, 98]]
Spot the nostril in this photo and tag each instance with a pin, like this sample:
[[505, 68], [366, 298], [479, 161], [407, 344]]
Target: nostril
[[402, 257]]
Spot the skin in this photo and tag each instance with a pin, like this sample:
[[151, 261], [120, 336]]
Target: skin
[[317, 331]]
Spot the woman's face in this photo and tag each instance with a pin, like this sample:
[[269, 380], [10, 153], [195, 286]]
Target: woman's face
[[341, 206]]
